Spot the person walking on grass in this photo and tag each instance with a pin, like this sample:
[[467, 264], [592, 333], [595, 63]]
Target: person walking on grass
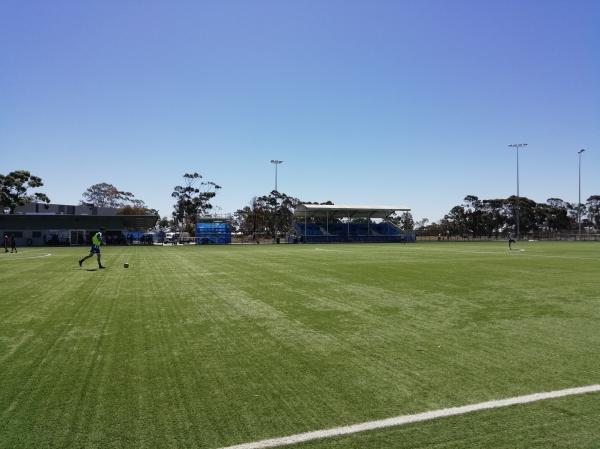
[[13, 244], [510, 241], [95, 249], [6, 242]]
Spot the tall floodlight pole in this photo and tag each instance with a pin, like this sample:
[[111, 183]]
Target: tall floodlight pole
[[579, 198], [276, 163], [517, 146]]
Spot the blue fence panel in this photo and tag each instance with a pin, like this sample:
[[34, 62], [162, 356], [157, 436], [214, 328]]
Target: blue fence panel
[[217, 232]]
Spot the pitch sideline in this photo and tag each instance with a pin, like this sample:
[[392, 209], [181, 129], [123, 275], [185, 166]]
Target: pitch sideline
[[19, 257], [418, 417]]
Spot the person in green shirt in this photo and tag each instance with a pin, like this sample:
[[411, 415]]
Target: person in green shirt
[[95, 249]]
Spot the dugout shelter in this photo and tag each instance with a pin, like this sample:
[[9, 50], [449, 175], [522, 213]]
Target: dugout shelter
[[322, 223]]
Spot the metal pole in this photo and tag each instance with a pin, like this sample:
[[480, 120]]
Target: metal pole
[[276, 163], [579, 197], [518, 211], [518, 199]]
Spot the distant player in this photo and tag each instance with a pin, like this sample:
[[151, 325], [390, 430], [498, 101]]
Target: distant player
[[13, 244], [95, 249], [6, 242], [510, 241]]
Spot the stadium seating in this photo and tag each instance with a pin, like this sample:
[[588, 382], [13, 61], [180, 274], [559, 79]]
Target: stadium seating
[[383, 231]]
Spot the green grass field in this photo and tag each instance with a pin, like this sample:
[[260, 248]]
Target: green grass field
[[205, 347]]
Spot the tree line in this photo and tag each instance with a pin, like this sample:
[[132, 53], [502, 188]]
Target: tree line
[[476, 217], [271, 214]]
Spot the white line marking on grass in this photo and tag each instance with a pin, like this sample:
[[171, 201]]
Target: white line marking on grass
[[513, 252], [26, 257], [458, 251], [27, 251], [563, 257], [408, 419]]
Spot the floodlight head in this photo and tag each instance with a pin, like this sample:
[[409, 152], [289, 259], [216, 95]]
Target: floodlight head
[[275, 161], [581, 151]]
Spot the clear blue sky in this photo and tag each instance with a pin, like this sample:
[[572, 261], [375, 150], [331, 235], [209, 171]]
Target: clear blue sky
[[370, 102]]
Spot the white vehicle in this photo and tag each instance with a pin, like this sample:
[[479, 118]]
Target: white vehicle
[[171, 237], [176, 237]]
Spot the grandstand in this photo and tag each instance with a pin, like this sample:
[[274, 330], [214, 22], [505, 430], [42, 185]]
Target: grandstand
[[321, 223]]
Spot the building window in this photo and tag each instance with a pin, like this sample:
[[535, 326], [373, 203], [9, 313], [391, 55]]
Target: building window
[[36, 234]]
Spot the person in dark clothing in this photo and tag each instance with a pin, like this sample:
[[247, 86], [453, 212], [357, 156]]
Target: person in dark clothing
[[6, 241], [13, 244], [510, 241]]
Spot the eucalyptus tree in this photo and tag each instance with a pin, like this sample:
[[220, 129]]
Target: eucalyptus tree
[[104, 194], [192, 198], [15, 189]]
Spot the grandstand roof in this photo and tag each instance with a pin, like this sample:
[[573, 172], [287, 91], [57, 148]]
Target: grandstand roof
[[345, 210], [84, 222]]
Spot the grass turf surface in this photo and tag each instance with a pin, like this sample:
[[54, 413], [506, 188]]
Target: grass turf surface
[[203, 347]]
